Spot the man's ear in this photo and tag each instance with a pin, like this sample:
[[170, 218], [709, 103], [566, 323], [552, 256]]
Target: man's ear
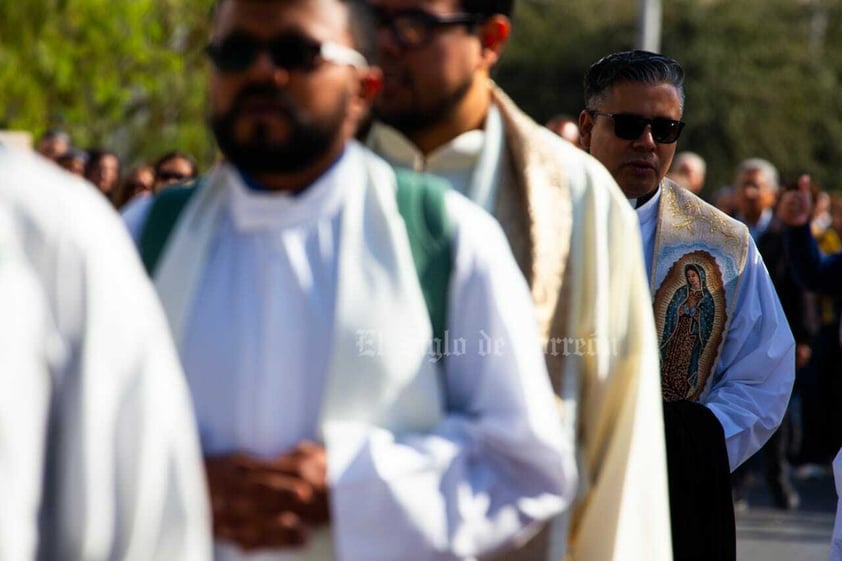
[[494, 34], [585, 128], [371, 81]]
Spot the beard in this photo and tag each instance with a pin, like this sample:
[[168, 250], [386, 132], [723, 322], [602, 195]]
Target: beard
[[307, 139], [416, 115]]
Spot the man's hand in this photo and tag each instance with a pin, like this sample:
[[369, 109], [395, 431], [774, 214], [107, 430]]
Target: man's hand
[[796, 207], [803, 353], [260, 503]]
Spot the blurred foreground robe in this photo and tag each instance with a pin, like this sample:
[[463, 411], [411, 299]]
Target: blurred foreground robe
[[99, 456]]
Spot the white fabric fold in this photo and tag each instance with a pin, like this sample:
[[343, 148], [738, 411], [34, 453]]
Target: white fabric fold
[[378, 293]]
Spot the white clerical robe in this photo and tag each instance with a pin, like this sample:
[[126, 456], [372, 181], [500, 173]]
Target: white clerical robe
[[256, 352], [99, 455], [754, 375]]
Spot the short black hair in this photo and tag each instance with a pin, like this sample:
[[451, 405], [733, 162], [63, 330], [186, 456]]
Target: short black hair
[[97, 154], [488, 8], [177, 155], [631, 66], [73, 154], [360, 24], [55, 133]]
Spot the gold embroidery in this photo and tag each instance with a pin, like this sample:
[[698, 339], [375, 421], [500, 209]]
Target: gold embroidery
[[692, 215]]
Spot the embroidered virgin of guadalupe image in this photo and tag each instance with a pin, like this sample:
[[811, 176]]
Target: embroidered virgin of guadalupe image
[[692, 323]]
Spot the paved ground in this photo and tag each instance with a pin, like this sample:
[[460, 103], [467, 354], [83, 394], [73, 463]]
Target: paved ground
[[767, 534]]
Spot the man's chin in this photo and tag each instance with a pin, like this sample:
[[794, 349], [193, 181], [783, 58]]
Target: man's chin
[[257, 132], [405, 121]]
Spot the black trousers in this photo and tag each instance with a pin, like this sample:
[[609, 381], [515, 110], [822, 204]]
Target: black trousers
[[701, 508]]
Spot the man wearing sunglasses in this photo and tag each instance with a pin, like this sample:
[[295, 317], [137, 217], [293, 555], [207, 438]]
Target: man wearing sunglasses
[[727, 353], [330, 428], [439, 112]]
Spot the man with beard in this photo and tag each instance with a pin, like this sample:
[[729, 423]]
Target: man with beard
[[330, 429], [727, 353], [576, 241]]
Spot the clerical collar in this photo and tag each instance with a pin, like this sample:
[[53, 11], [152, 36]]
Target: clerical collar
[[458, 154], [260, 209], [640, 201]]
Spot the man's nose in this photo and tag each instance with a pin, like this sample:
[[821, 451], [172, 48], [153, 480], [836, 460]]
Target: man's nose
[[645, 139], [386, 41], [264, 67]]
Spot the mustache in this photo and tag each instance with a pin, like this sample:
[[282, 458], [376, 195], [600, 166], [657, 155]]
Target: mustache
[[264, 92]]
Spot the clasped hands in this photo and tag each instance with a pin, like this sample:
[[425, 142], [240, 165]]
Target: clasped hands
[[258, 503]]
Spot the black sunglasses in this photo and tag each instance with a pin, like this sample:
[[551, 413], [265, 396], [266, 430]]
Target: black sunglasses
[[171, 176], [414, 28], [238, 51], [630, 127]]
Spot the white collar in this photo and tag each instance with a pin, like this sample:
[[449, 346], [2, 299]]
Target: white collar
[[648, 211], [473, 161], [253, 210], [460, 153]]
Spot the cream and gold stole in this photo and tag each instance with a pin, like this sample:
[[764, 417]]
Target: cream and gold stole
[[699, 258]]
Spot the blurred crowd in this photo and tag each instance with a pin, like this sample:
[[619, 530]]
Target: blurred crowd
[[104, 169]]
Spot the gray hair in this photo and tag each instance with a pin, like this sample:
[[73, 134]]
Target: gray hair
[[765, 167], [631, 66], [690, 158]]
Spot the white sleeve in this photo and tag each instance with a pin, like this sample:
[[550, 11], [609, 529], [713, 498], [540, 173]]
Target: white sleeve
[[25, 336], [125, 419], [122, 472], [499, 461], [755, 373]]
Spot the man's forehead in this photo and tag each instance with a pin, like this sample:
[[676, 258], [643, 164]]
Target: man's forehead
[[440, 6], [753, 177], [660, 99], [323, 18]]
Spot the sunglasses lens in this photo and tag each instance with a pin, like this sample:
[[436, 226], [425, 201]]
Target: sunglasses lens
[[234, 53], [666, 131], [410, 29], [629, 127], [171, 176], [294, 53]]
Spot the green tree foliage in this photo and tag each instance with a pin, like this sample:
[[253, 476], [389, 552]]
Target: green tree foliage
[[762, 75], [125, 74]]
